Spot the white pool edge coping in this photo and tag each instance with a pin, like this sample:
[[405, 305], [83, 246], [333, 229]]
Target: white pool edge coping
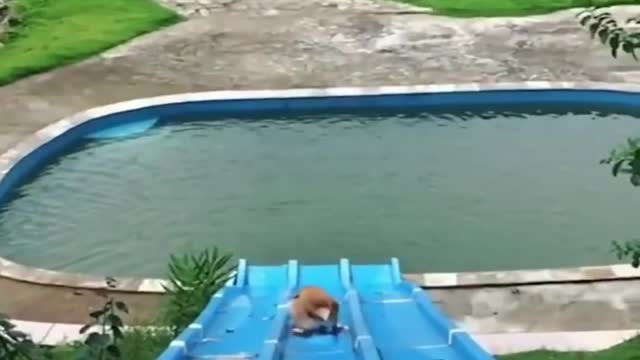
[[50, 334], [19, 272]]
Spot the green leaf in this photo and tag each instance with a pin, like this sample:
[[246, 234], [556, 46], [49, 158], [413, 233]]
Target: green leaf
[[585, 19], [96, 314], [114, 320], [603, 34], [104, 339], [86, 327], [92, 339], [17, 334], [616, 167], [6, 324], [593, 28], [97, 340], [614, 43], [117, 333], [603, 15], [612, 25], [635, 162], [618, 250], [26, 346], [114, 351], [120, 305], [111, 282], [616, 246], [634, 19]]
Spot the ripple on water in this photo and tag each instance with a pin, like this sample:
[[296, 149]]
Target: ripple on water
[[445, 192]]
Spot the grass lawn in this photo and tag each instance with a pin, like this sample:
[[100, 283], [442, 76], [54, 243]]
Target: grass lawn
[[629, 350], [58, 32], [470, 8]]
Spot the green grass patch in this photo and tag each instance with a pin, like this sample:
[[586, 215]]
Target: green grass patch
[[490, 8], [59, 32], [629, 350]]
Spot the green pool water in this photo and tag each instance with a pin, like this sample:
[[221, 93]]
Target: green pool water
[[443, 192]]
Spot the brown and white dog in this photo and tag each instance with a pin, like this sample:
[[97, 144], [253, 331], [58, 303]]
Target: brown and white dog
[[313, 309]]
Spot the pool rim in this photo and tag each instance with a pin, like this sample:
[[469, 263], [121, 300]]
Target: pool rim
[[23, 273]]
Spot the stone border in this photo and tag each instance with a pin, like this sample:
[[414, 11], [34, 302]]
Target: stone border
[[14, 271], [525, 277], [10, 158]]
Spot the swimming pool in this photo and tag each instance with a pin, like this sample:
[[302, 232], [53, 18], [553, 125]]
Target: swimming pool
[[446, 182]]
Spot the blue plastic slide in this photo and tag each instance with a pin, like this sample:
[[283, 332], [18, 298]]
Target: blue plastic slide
[[387, 318]]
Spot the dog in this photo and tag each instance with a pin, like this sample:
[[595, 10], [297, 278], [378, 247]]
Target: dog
[[313, 309]]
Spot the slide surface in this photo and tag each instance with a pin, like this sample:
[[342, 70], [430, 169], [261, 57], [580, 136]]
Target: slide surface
[[387, 318]]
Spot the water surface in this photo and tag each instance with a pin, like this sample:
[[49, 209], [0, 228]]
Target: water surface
[[443, 192]]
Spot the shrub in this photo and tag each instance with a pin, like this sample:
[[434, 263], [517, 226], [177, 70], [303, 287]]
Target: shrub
[[103, 342], [14, 344], [193, 279]]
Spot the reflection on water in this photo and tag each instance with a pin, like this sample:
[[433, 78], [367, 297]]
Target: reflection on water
[[472, 191]]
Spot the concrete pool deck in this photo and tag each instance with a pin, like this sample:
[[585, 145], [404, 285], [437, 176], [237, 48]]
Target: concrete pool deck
[[504, 319], [285, 44], [520, 301]]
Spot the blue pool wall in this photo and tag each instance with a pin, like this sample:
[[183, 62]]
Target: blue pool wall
[[28, 167]]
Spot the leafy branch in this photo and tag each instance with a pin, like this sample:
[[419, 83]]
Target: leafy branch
[[610, 32], [628, 249], [103, 343], [626, 160]]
